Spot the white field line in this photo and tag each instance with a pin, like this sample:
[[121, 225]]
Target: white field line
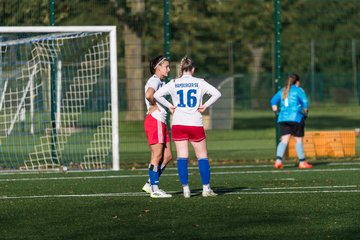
[[312, 187], [141, 194], [264, 166], [17, 172], [294, 192], [271, 165], [291, 171], [175, 174], [78, 178], [128, 194]]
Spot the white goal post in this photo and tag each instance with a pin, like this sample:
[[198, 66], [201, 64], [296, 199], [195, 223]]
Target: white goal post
[[59, 98]]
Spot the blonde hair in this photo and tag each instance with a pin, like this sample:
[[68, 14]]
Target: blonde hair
[[292, 79], [186, 64]]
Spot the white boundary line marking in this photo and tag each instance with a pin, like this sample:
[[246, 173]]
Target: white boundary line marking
[[291, 171], [264, 165], [128, 194], [140, 194], [76, 178], [55, 171], [295, 192], [312, 187], [283, 171]]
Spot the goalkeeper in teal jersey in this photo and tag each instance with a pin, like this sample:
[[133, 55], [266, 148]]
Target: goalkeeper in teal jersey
[[291, 118]]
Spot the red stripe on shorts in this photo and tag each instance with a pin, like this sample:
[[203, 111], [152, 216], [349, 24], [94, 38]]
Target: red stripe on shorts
[[155, 130]]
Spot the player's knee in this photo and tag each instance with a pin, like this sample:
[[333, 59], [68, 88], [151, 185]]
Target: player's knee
[[157, 156]]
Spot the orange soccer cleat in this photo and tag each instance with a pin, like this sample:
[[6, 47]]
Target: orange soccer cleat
[[304, 164], [279, 165]]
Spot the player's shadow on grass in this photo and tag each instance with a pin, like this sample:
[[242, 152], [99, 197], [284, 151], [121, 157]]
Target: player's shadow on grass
[[319, 163], [312, 161], [226, 190], [219, 190]]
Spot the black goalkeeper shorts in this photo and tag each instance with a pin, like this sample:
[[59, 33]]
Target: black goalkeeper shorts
[[294, 128]]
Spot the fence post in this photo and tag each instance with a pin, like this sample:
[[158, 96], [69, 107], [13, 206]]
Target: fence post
[[312, 59], [277, 19], [354, 67], [52, 12], [53, 107], [167, 43], [166, 29]]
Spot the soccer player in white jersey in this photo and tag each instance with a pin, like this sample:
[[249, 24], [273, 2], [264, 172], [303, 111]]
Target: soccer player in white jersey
[[155, 128], [187, 95]]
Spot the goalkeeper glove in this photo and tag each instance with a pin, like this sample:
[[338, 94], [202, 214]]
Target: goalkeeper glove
[[305, 113]]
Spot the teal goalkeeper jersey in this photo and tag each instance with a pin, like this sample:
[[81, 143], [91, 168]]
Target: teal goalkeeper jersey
[[291, 107]]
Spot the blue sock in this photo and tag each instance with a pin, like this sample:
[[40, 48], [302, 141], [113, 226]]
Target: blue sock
[[280, 150], [204, 169], [153, 175], [300, 151], [182, 166], [161, 170]]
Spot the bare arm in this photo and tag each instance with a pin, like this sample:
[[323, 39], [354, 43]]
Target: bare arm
[[215, 95], [149, 95]]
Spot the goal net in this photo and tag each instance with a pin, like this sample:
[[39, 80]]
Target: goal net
[[58, 98]]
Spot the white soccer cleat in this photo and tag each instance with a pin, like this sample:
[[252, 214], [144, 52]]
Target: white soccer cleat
[[160, 194], [209, 193], [147, 188], [187, 194]]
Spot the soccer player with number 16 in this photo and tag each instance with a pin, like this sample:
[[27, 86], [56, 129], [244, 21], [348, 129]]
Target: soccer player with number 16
[[187, 107]]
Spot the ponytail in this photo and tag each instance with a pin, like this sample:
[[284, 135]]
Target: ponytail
[[292, 79], [186, 64]]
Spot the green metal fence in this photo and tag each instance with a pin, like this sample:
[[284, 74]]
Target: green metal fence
[[232, 40]]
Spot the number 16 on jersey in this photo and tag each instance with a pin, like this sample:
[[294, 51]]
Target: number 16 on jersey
[[187, 98]]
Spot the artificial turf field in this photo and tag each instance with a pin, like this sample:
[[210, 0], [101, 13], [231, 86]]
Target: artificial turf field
[[254, 202]]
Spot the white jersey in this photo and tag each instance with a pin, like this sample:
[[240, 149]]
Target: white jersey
[[155, 83], [187, 95]]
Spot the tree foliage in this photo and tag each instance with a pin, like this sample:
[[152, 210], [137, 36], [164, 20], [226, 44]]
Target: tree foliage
[[20, 12], [218, 33]]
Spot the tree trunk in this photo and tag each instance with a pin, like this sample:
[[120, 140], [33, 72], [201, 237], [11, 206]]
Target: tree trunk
[[133, 58], [134, 76], [255, 68], [134, 68]]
